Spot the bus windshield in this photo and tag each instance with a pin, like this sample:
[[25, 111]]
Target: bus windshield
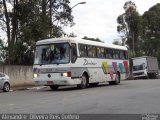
[[57, 53]]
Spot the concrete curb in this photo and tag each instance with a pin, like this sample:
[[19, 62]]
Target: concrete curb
[[27, 88]]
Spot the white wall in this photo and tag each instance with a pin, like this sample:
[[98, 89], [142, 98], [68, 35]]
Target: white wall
[[19, 75]]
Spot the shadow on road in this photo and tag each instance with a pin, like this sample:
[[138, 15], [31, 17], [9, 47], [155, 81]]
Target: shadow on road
[[73, 88]]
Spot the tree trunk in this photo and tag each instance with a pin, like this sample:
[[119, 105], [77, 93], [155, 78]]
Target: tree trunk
[[50, 12], [7, 21], [14, 23], [8, 31]]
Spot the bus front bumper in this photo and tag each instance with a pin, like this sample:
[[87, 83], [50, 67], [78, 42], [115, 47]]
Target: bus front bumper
[[61, 82]]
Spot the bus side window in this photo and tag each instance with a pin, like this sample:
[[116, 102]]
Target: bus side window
[[89, 49], [100, 52], [109, 53], [82, 50], [73, 52], [92, 53], [125, 54], [116, 54], [94, 50], [122, 55]]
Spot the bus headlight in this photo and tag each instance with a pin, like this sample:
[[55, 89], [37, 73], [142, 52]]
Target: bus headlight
[[35, 75], [65, 74]]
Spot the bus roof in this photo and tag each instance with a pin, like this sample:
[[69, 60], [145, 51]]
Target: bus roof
[[82, 41]]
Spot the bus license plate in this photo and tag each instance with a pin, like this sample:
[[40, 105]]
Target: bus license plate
[[49, 82]]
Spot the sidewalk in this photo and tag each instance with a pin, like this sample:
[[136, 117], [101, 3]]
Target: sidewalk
[[14, 88], [20, 88]]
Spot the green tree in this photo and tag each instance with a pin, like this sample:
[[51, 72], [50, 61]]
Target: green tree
[[117, 42], [73, 35], [2, 52], [130, 25], [31, 21], [151, 32], [92, 39]]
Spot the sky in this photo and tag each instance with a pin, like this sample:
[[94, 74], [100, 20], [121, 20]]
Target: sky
[[3, 34], [98, 18]]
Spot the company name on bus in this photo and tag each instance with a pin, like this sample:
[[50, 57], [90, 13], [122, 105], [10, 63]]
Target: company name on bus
[[88, 63]]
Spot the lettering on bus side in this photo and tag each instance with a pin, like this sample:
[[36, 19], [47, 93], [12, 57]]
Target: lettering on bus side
[[88, 63]]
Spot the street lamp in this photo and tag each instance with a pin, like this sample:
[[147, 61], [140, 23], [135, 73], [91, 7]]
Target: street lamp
[[78, 4]]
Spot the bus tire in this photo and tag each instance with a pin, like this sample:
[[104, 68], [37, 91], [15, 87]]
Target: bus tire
[[54, 87], [84, 82], [117, 80]]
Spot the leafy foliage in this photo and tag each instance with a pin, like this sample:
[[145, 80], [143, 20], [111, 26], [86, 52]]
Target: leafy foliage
[[2, 52], [130, 25], [30, 21], [92, 39], [151, 32], [142, 32]]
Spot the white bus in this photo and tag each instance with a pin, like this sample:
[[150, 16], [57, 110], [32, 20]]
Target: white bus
[[71, 61]]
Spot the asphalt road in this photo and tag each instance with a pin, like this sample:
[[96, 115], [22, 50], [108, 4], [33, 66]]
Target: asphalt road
[[130, 97]]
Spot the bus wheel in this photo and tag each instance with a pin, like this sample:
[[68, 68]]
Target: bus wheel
[[117, 80], [54, 87], [84, 82]]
